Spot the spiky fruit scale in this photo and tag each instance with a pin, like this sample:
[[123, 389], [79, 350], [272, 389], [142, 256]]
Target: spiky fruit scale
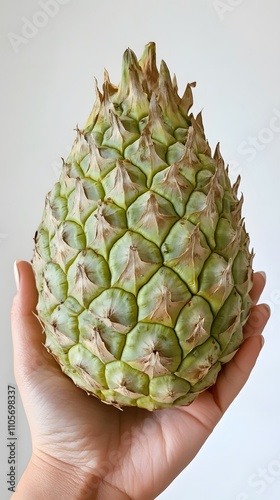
[[142, 260]]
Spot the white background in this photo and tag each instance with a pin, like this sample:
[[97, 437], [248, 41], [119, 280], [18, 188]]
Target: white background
[[232, 49]]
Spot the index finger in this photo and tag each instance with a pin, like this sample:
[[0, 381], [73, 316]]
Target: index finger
[[259, 281]]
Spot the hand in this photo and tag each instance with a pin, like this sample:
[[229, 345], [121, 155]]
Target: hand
[[84, 449]]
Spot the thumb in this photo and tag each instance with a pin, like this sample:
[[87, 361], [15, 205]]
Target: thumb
[[26, 329]]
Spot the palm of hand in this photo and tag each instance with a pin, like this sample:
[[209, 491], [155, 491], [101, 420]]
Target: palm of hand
[[118, 447], [105, 442]]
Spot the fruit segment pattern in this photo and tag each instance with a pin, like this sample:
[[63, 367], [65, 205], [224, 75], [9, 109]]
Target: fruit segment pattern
[[142, 260]]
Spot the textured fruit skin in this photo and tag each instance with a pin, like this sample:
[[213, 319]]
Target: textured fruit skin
[[142, 260]]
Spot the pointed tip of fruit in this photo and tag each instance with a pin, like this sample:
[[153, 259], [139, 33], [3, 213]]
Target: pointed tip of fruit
[[148, 65], [162, 65], [129, 58], [151, 45], [149, 51], [165, 81]]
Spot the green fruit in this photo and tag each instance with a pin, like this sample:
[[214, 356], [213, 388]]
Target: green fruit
[[141, 259]]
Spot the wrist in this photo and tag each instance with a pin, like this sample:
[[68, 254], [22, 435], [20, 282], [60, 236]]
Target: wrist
[[46, 479]]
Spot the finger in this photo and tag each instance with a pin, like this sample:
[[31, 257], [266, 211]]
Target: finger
[[258, 286], [259, 316], [234, 374], [26, 329]]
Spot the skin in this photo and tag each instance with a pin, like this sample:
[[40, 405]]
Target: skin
[[83, 449]]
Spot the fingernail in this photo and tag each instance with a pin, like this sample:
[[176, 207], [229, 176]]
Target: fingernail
[[16, 273], [262, 340], [267, 308], [263, 275]]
